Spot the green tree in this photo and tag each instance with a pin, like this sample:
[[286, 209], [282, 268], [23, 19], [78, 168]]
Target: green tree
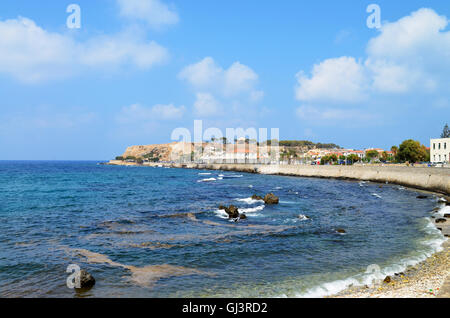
[[353, 158], [445, 132], [413, 151], [140, 161], [120, 158], [372, 154]]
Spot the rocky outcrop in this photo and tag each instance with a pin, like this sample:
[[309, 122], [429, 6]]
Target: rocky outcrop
[[441, 220], [341, 231], [387, 280], [271, 199], [87, 281], [257, 197], [232, 211]]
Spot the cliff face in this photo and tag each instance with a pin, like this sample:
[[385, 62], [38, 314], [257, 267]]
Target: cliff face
[[162, 151]]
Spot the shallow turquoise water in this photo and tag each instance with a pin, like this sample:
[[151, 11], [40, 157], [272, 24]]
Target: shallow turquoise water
[[137, 216]]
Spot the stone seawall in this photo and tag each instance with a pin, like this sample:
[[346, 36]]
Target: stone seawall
[[424, 178]]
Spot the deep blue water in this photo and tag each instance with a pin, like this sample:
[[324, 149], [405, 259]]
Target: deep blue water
[[53, 214]]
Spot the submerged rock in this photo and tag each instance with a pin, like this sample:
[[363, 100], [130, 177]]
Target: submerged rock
[[271, 199], [242, 216], [341, 231], [87, 281], [422, 197]]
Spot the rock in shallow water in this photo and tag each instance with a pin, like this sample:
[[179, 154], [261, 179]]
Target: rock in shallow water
[[232, 211], [341, 231], [441, 220], [271, 199], [257, 197], [87, 281], [422, 197], [387, 280]]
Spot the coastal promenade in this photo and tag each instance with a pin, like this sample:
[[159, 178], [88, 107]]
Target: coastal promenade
[[423, 178]]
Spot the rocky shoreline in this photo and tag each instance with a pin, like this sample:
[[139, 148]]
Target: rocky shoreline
[[428, 279]]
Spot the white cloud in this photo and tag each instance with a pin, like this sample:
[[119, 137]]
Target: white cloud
[[336, 80], [408, 58], [238, 79], [214, 86], [204, 74], [32, 54], [207, 75], [411, 54], [153, 12], [123, 48], [206, 105], [137, 113]]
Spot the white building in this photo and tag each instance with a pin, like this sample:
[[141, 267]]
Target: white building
[[440, 150]]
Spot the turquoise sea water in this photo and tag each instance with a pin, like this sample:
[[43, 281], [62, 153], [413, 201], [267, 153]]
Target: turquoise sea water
[[157, 232]]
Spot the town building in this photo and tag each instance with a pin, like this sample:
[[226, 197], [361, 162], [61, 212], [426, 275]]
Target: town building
[[440, 150]]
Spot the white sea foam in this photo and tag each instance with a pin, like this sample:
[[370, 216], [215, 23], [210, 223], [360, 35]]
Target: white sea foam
[[376, 195], [432, 245], [204, 173], [252, 210], [207, 180], [302, 217], [443, 210], [221, 214], [231, 176], [248, 200]]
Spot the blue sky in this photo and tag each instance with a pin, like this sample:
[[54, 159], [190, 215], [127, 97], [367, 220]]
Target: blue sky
[[138, 69]]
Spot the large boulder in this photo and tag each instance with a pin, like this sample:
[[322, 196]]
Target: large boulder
[[271, 199], [87, 281], [232, 211]]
